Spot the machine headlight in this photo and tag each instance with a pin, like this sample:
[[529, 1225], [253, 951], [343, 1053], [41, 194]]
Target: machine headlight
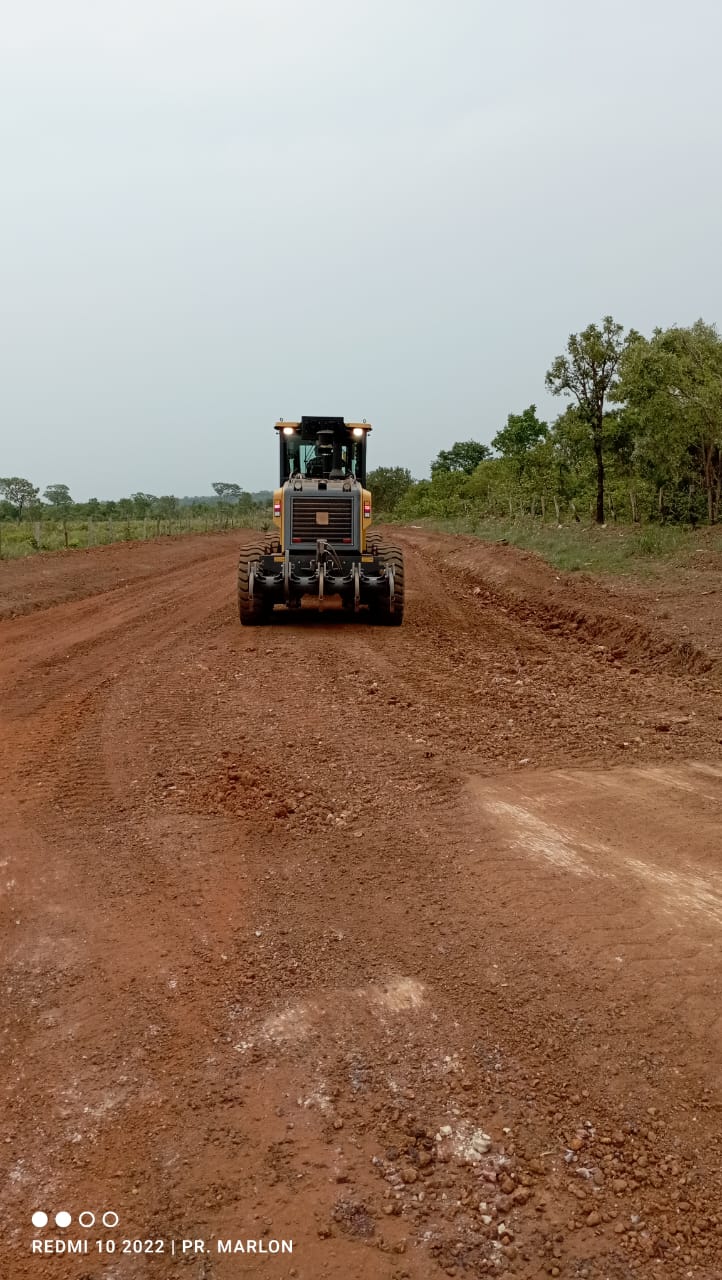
[[358, 432]]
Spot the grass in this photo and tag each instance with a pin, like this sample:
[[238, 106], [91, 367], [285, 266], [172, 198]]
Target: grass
[[30, 537], [639, 550]]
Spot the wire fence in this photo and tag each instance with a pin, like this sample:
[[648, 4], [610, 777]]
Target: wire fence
[[27, 537]]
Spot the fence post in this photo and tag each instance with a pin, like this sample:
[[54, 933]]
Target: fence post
[[36, 533]]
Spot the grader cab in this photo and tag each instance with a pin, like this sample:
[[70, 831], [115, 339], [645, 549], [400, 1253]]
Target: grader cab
[[323, 545]]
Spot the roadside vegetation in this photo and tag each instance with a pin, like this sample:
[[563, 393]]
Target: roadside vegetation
[[636, 455], [647, 551], [29, 524], [640, 440], [626, 473]]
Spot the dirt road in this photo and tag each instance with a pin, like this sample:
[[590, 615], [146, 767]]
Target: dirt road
[[403, 945]]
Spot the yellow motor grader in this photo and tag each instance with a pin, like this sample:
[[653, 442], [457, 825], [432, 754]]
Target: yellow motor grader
[[323, 544]]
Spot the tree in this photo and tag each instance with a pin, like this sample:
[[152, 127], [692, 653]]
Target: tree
[[226, 490], [142, 503], [574, 467], [463, 456], [20, 493], [569, 437], [522, 433], [588, 372], [388, 486], [672, 388], [58, 495]]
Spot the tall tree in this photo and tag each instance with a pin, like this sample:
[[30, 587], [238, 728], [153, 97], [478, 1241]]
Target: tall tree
[[58, 495], [20, 493], [464, 456], [588, 372], [224, 489], [672, 386]]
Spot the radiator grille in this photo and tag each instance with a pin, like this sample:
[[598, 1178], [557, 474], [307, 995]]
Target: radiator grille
[[314, 517]]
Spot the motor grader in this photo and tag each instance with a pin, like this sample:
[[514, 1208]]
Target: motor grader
[[322, 545]]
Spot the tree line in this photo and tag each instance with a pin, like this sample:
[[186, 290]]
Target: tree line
[[640, 439], [20, 500]]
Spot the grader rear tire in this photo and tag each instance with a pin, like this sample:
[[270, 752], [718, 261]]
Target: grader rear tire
[[253, 611], [393, 559]]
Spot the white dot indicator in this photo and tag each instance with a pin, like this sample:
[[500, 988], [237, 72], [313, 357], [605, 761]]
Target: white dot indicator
[[63, 1219], [40, 1219]]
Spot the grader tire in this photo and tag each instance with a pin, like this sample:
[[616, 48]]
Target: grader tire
[[378, 546], [252, 610], [393, 559]]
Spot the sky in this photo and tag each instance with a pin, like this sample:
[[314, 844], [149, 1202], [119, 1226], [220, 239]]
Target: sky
[[219, 213]]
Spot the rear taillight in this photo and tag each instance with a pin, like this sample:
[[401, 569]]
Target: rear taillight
[[367, 510], [276, 508]]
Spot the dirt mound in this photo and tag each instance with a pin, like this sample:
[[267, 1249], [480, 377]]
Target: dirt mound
[[577, 606]]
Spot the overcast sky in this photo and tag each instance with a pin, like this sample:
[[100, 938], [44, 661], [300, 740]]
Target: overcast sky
[[220, 212]]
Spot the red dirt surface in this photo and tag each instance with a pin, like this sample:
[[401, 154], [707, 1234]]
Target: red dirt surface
[[38, 581], [403, 944]]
